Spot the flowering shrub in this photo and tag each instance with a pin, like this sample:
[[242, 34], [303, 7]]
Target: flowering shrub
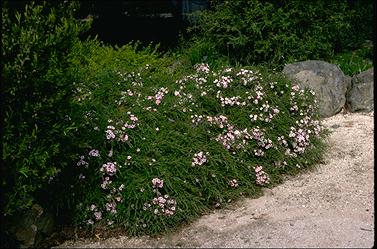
[[167, 146]]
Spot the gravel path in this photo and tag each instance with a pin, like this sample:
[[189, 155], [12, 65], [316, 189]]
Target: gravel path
[[332, 206]]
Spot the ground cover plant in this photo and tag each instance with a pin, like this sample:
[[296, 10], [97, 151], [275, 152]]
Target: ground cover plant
[[162, 146]]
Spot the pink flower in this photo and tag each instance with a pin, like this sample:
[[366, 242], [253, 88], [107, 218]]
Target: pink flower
[[295, 88], [98, 215], [199, 158], [262, 177], [202, 68], [94, 153], [105, 182], [110, 134], [165, 204], [110, 153], [82, 162], [109, 168], [233, 183], [124, 138], [111, 207], [223, 82], [157, 183], [161, 200], [133, 118]]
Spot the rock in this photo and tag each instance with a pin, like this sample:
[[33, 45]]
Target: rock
[[348, 82], [45, 226], [30, 227], [360, 95], [327, 80], [26, 235]]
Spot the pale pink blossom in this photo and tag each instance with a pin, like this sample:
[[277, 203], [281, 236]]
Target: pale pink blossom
[[124, 138], [109, 168], [110, 135], [98, 215], [157, 183], [233, 183], [94, 153]]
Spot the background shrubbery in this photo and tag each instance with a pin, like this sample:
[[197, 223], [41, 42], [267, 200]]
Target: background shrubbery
[[36, 95], [279, 32], [356, 61], [66, 99]]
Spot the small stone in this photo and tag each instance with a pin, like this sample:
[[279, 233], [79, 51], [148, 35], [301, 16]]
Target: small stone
[[335, 126]]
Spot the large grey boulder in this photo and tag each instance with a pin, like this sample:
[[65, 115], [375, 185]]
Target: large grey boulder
[[327, 80], [360, 96]]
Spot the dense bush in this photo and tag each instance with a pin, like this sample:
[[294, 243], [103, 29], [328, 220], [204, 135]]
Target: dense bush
[[164, 145], [36, 90], [278, 32], [362, 25]]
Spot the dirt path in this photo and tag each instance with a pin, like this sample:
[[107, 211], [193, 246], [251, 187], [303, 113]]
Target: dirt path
[[333, 206]]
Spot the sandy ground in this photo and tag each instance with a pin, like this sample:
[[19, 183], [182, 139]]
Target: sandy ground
[[331, 206]]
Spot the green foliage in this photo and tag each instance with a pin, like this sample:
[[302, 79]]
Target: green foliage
[[361, 26], [194, 51], [37, 85], [118, 95], [278, 32], [355, 62], [97, 69]]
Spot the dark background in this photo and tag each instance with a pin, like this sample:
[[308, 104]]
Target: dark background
[[160, 21], [119, 22]]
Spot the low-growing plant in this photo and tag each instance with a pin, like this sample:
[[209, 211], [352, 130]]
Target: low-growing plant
[[162, 148], [97, 68]]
